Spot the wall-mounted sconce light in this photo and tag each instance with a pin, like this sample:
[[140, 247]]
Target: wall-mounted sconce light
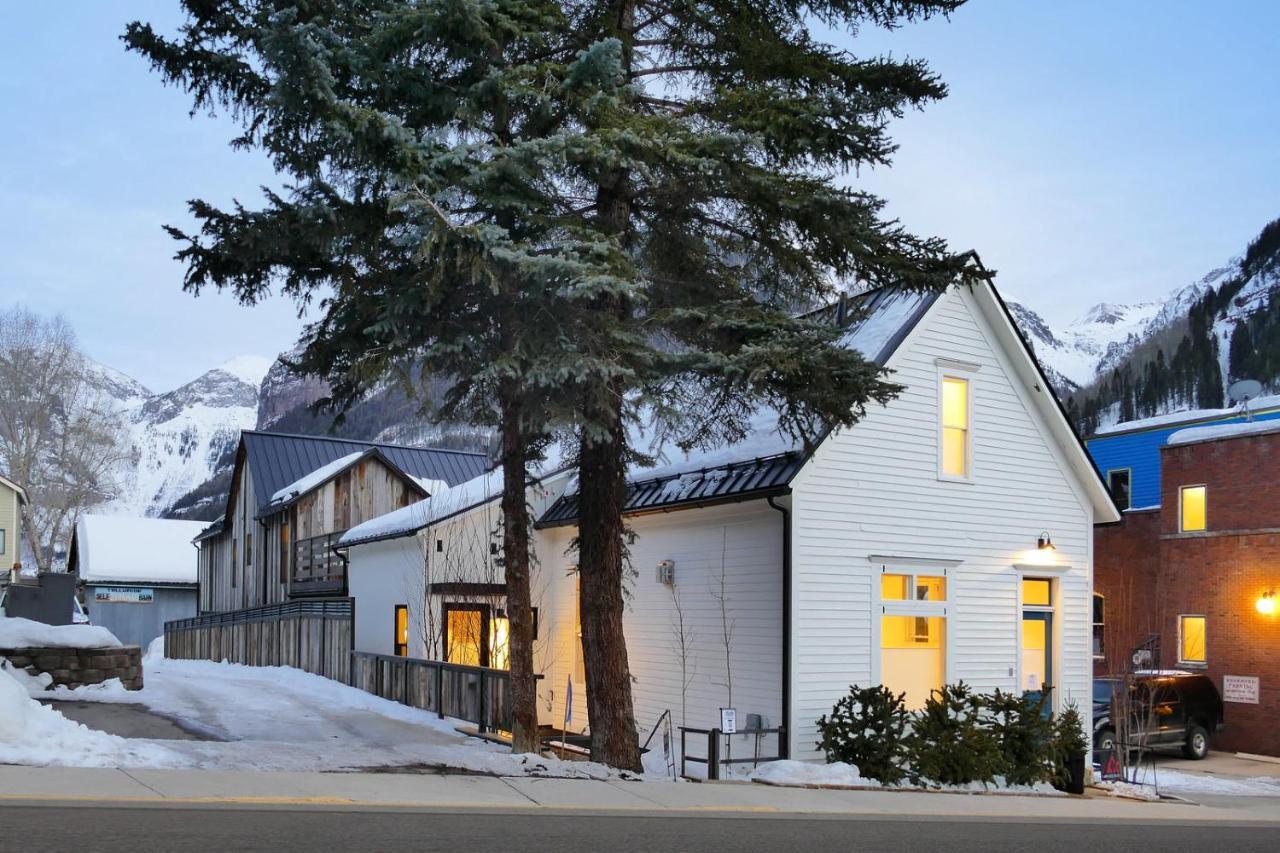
[[1266, 603], [1044, 543], [667, 572]]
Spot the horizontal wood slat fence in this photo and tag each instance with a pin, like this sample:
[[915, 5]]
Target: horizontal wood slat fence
[[314, 636], [476, 694]]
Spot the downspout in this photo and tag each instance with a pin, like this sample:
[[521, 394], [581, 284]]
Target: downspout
[[784, 743]]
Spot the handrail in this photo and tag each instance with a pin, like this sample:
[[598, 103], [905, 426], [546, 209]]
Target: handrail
[[338, 607]]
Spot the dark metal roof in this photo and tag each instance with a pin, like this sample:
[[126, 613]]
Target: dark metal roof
[[276, 460], [874, 322], [737, 481], [212, 530]]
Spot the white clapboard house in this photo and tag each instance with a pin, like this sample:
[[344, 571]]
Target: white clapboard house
[[947, 536]]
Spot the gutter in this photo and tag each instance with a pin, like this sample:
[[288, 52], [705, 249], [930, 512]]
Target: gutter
[[784, 743]]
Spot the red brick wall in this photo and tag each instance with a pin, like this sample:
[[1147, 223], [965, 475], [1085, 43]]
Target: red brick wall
[[1241, 478], [1151, 574]]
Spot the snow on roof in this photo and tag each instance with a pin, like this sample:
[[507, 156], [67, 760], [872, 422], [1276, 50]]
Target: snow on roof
[[18, 633], [1191, 435], [307, 482], [442, 504], [127, 549], [430, 485], [1173, 418]]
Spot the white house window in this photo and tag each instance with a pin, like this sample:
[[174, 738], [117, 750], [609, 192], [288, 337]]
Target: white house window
[[955, 433], [1193, 508], [913, 635], [1192, 630], [3, 543]]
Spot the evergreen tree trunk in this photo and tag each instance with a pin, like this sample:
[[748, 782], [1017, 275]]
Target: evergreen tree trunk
[[602, 474], [516, 562]]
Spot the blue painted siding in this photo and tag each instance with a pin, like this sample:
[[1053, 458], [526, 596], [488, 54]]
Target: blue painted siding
[[1139, 451]]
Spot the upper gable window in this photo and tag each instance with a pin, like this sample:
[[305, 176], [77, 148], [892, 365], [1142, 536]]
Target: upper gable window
[[955, 440]]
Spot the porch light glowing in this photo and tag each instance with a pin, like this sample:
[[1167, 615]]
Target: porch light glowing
[[1267, 603], [1044, 543]]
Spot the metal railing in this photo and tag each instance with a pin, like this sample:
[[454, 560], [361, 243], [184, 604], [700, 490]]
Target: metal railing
[[476, 694], [717, 756]]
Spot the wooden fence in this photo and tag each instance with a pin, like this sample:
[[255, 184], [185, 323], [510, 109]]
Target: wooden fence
[[315, 636], [474, 693]]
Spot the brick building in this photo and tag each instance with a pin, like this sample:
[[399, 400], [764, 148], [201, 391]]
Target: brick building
[[1194, 583]]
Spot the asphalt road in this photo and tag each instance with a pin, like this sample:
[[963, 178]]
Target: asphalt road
[[98, 829]]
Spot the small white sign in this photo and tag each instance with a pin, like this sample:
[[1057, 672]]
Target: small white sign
[[1241, 688], [124, 595], [728, 720]]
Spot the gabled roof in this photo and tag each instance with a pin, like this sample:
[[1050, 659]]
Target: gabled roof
[[278, 460], [21, 492], [124, 549], [875, 323]]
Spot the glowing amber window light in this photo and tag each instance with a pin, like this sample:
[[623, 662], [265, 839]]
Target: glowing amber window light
[[955, 427]]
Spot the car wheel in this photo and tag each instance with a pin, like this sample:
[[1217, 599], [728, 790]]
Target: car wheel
[[1197, 743], [1105, 740]]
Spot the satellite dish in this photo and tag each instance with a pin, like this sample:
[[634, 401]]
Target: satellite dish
[[1244, 390]]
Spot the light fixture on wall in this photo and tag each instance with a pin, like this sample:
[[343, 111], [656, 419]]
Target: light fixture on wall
[[1044, 543], [1266, 604]]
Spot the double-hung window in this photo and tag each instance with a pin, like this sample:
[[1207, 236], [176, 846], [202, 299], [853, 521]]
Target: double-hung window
[[913, 639], [955, 450]]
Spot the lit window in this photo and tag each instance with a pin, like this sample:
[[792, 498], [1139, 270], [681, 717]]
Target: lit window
[[1037, 591], [500, 642], [1118, 482], [402, 630], [1191, 639], [1192, 508], [955, 427], [913, 635], [913, 656]]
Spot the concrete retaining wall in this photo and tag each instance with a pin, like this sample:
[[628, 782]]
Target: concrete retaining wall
[[77, 667]]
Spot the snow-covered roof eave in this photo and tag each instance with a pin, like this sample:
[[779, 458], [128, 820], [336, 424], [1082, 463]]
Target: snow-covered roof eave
[[1219, 432], [304, 485]]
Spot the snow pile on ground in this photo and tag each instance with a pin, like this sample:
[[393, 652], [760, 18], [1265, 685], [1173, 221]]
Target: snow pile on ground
[[31, 733], [803, 774], [283, 719], [18, 633], [1177, 782]]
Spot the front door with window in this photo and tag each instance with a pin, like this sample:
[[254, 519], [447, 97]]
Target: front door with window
[[1037, 640]]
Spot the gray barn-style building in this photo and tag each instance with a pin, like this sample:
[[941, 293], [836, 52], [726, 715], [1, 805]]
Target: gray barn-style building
[[135, 573]]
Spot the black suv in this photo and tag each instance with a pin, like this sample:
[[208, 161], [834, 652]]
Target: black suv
[[1184, 709]]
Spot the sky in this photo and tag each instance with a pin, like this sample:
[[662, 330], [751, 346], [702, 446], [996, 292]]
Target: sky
[[1089, 151]]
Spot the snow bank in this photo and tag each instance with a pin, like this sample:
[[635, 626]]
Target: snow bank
[[802, 774], [18, 633], [1192, 435], [31, 733]]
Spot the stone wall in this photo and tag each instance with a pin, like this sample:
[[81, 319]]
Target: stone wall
[[77, 667]]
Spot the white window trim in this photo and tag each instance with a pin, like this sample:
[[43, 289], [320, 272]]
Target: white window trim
[[1201, 664], [1182, 489], [1055, 600], [881, 608], [1103, 624], [955, 370]]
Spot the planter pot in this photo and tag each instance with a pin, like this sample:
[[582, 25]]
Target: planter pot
[[1074, 783]]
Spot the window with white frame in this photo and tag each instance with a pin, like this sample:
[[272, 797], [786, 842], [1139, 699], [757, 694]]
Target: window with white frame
[[1099, 625], [955, 440], [913, 640], [1192, 640]]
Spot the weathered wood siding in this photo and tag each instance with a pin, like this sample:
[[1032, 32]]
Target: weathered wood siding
[[250, 562]]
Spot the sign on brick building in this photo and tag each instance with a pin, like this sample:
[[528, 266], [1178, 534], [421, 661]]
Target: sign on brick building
[[1240, 688]]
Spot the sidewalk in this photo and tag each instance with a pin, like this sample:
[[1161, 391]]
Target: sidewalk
[[489, 793]]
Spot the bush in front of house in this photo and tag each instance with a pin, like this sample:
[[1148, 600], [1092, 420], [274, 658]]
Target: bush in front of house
[[1025, 734], [950, 743], [1069, 749], [866, 728]]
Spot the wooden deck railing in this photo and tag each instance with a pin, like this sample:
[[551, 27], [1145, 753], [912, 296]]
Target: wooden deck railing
[[476, 694]]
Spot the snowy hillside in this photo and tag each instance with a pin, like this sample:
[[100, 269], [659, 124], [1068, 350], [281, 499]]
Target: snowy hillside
[[179, 438]]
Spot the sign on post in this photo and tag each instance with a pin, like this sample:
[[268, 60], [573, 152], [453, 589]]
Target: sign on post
[[728, 720], [1241, 688], [124, 595]]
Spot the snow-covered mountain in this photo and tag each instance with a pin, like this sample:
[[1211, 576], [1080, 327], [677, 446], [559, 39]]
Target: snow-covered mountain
[[179, 439]]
